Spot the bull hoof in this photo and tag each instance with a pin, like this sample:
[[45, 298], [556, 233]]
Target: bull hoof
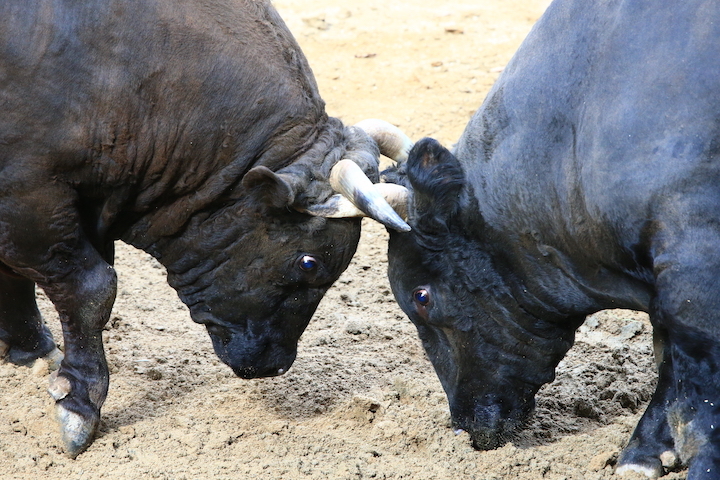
[[651, 471], [77, 432], [47, 364]]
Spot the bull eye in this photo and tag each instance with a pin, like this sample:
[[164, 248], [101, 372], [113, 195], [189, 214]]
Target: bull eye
[[307, 263], [421, 296]]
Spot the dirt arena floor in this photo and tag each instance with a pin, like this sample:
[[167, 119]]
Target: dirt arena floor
[[361, 400]]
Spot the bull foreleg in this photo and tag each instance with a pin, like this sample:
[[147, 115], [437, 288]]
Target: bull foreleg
[[651, 446], [43, 239], [84, 301], [688, 307], [694, 417], [23, 335]]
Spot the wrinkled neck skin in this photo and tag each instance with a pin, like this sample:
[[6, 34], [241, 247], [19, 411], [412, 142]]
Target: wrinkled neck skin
[[223, 216], [205, 242], [217, 259]]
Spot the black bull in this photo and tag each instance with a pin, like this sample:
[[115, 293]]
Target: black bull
[[588, 179], [192, 130]]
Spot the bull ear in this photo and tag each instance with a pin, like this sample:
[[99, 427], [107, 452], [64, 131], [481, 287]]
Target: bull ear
[[269, 188], [436, 179]]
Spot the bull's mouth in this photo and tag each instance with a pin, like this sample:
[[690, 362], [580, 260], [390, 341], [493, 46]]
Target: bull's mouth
[[248, 373], [269, 363], [489, 438], [250, 355]]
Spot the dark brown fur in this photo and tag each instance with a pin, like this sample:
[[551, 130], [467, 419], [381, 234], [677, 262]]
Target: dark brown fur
[[139, 121]]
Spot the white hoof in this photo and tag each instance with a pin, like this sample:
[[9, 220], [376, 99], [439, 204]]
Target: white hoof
[[669, 459], [77, 433], [641, 469]]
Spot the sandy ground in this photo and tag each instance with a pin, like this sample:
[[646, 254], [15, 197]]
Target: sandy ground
[[362, 400]]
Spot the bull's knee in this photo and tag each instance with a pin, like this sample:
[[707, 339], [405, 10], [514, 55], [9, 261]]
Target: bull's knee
[[97, 295]]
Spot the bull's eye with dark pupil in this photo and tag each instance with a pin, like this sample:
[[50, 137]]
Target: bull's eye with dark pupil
[[422, 296], [308, 263]]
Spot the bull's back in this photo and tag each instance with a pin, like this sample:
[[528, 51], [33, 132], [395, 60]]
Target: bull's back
[[146, 86], [605, 112]]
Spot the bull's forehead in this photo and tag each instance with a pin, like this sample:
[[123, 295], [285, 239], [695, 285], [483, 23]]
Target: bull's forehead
[[411, 262], [334, 241]]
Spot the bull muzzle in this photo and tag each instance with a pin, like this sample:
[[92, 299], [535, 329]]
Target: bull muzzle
[[491, 423], [251, 356]]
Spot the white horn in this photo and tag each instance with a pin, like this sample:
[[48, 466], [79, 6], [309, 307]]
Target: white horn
[[391, 141], [338, 206], [396, 195], [358, 196]]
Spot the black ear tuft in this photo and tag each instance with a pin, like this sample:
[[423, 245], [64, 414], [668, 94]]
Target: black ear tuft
[[437, 179], [268, 188]]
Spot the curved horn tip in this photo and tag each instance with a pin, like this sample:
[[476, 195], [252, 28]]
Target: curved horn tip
[[348, 179], [400, 227], [379, 210]]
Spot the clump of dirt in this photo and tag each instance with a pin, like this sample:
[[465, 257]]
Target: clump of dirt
[[362, 400]]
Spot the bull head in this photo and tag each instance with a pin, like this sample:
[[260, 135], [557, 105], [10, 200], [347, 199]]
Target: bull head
[[490, 355], [356, 195], [260, 267]]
